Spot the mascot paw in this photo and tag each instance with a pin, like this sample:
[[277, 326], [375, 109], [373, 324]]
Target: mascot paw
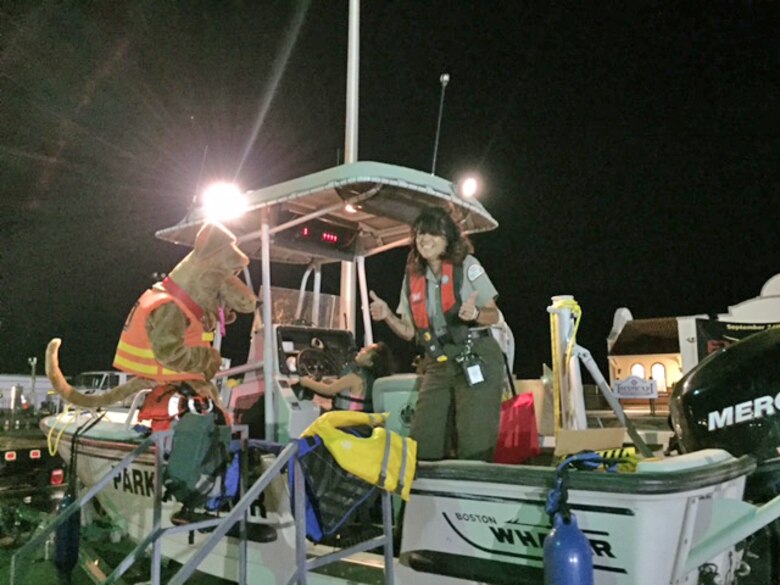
[[215, 362]]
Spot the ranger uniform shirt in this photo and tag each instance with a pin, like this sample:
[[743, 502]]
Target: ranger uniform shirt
[[475, 279]]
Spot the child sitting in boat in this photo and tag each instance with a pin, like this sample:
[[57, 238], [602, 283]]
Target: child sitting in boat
[[352, 390]]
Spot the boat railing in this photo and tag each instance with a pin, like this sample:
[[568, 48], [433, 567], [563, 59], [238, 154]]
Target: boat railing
[[138, 398], [237, 370], [303, 564], [135, 405], [221, 525]]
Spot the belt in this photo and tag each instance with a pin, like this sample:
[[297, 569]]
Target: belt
[[472, 334], [481, 332]]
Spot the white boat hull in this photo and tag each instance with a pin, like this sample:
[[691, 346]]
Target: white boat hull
[[636, 539], [466, 522]]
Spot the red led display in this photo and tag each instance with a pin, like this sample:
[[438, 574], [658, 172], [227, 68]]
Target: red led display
[[315, 232]]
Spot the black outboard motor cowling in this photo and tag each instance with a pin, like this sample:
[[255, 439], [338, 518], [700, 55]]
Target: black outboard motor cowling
[[731, 400]]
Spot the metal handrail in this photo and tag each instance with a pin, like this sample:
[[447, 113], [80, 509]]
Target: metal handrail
[[238, 512], [222, 525], [137, 399], [303, 565]]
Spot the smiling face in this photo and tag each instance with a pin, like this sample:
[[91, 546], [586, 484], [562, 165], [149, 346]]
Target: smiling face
[[431, 247]]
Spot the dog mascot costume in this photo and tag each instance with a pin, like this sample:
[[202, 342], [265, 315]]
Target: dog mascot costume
[[166, 339]]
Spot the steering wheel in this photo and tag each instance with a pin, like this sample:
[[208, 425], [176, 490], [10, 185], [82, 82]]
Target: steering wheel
[[314, 363]]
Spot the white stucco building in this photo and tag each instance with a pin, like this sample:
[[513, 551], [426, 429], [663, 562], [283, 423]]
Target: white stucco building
[[663, 349]]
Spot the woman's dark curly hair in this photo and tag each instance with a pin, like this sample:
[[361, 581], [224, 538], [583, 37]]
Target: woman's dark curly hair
[[438, 222], [382, 361]]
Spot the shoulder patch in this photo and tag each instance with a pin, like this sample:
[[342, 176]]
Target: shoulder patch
[[474, 272]]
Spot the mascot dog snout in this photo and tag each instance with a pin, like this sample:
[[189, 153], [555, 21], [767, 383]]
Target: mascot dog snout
[[167, 335]]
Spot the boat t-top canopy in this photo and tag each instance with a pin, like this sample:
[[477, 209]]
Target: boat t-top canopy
[[356, 209]]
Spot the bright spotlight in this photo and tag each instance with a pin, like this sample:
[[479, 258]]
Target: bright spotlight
[[469, 187], [223, 201], [349, 208]]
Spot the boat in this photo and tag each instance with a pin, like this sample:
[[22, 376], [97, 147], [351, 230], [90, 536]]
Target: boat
[[674, 520], [466, 522]]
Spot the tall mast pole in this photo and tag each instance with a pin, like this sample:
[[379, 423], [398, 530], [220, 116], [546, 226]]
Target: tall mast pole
[[353, 81], [347, 307]]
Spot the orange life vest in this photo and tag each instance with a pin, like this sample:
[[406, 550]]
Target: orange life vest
[[134, 353], [418, 292], [166, 403], [449, 289]]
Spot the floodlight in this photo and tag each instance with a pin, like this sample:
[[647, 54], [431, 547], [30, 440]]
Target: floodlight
[[223, 201], [469, 187]]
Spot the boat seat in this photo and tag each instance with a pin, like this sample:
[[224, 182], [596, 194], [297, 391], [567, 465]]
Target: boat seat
[[396, 395]]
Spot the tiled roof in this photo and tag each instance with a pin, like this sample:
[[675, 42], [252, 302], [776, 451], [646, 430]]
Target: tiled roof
[[647, 336]]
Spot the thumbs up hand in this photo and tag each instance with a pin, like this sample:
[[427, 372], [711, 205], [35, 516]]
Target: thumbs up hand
[[469, 310], [378, 308]]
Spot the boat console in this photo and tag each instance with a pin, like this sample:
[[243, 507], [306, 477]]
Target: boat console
[[311, 351], [299, 350]]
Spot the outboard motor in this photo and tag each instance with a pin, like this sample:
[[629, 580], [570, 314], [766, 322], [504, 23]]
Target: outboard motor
[[731, 400]]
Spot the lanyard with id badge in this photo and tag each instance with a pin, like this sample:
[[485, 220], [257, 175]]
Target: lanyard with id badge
[[471, 364]]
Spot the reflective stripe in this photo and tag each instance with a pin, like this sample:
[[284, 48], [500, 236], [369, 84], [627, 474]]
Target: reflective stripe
[[134, 350], [153, 370], [174, 408], [135, 367], [385, 459], [402, 473]]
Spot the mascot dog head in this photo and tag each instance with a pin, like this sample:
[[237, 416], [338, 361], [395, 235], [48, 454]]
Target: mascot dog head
[[166, 337]]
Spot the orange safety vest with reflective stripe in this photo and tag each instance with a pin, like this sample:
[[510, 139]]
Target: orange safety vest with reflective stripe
[[134, 353]]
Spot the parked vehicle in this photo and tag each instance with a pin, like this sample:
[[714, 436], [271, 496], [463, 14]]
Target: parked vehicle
[[99, 381], [20, 390], [27, 469]]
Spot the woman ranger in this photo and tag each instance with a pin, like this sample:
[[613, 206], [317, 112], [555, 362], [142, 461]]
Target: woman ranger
[[448, 304]]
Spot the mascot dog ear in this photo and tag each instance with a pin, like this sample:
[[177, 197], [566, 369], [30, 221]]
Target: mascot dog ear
[[171, 320]]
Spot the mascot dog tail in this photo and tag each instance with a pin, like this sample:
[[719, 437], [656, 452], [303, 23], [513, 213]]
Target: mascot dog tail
[[73, 396]]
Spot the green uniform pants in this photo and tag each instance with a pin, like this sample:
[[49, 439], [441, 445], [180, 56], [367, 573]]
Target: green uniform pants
[[453, 418]]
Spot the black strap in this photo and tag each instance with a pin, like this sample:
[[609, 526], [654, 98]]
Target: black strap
[[508, 374]]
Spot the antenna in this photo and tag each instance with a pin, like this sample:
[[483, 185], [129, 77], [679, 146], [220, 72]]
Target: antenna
[[200, 177], [444, 79]]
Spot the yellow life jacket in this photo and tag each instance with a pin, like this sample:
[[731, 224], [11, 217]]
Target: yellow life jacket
[[385, 459]]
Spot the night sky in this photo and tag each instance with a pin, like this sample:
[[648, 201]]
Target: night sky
[[630, 151]]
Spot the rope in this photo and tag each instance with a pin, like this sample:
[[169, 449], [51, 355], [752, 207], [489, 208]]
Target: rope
[[558, 498], [83, 428], [53, 448]]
